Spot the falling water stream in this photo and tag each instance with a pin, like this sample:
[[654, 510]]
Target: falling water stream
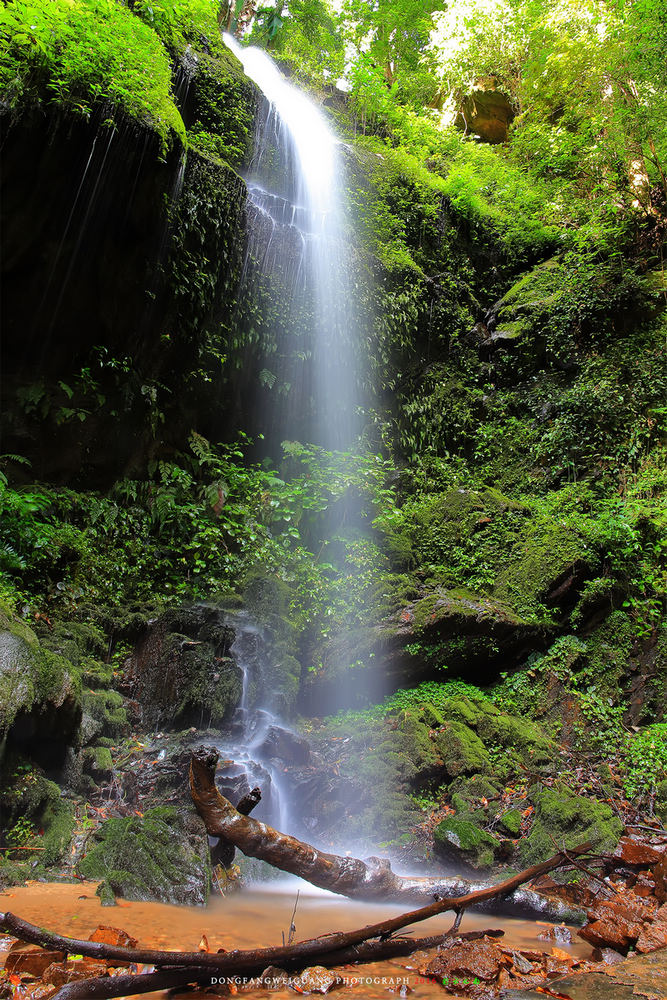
[[297, 223], [296, 226], [248, 747]]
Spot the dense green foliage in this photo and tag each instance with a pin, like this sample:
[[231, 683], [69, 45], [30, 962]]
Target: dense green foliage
[[196, 527], [83, 54]]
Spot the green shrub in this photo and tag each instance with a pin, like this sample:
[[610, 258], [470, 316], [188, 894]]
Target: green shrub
[[84, 54]]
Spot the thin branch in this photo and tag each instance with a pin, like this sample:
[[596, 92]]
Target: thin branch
[[105, 987]]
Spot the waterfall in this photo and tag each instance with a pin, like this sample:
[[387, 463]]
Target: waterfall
[[252, 753], [295, 274], [296, 243]]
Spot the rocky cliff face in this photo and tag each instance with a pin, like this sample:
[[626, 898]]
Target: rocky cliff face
[[121, 268]]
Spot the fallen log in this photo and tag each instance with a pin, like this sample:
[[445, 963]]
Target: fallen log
[[105, 987], [352, 877]]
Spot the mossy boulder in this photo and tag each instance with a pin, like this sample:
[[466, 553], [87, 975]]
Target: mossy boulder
[[104, 714], [462, 840], [519, 738], [454, 612], [564, 819], [40, 694], [523, 311], [34, 813], [469, 794], [510, 821], [403, 742], [211, 686], [98, 763], [546, 565], [180, 670], [148, 858], [430, 716], [461, 750], [467, 710], [479, 737], [492, 569], [550, 313], [84, 645]]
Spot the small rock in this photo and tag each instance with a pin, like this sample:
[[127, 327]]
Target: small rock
[[608, 956], [655, 935], [317, 979], [521, 964], [31, 961], [113, 936], [557, 932], [274, 978], [467, 960], [60, 973], [638, 852]]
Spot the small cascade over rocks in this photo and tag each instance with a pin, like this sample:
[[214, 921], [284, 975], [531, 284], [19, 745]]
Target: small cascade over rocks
[[257, 746], [297, 260]]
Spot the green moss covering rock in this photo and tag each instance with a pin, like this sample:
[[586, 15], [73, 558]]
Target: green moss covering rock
[[479, 737], [84, 645], [34, 813], [563, 819], [544, 565], [462, 840], [105, 714], [461, 750], [510, 821], [98, 763], [519, 738], [149, 857], [40, 691], [224, 105], [467, 794]]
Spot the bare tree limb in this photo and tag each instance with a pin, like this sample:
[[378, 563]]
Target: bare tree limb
[[105, 987]]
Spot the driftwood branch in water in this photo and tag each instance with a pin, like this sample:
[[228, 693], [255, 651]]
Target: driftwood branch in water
[[105, 987], [235, 962], [369, 879]]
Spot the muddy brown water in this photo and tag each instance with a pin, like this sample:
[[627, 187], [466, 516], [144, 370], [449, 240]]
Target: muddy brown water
[[257, 917]]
